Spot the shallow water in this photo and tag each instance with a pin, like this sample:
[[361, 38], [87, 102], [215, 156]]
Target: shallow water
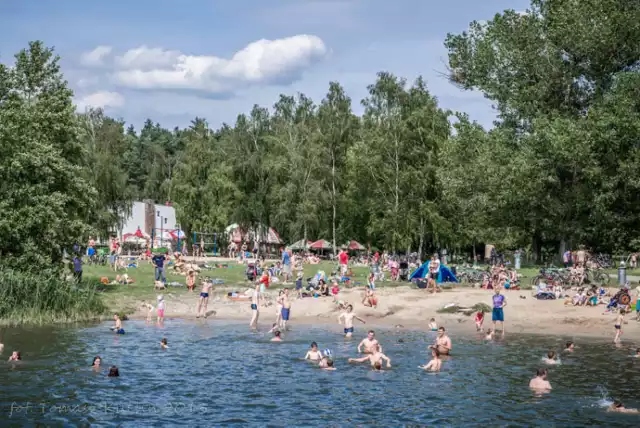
[[219, 374]]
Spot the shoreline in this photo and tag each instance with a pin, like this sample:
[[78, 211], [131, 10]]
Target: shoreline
[[412, 308]]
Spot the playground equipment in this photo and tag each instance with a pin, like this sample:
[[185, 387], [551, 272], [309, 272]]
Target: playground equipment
[[206, 243]]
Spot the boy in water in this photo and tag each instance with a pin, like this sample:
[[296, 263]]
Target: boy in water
[[348, 316], [15, 356], [370, 343], [569, 347], [540, 382], [435, 363], [551, 358], [163, 343], [328, 365], [255, 302], [313, 354], [276, 336], [204, 299], [489, 335], [433, 325], [618, 326], [617, 406], [118, 325], [376, 358]]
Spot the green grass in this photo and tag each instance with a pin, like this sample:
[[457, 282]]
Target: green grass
[[46, 297]]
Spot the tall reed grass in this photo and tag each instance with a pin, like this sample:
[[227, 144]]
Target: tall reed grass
[[46, 297]]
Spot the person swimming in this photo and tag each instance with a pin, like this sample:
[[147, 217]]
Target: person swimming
[[617, 406], [15, 356], [637, 355], [117, 328], [327, 364], [163, 343], [435, 364], [276, 336], [376, 358], [489, 335], [552, 358], [569, 347], [540, 382], [114, 372], [96, 363], [313, 354]]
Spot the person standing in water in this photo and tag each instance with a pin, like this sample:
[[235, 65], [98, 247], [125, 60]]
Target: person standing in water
[[313, 354], [375, 358], [118, 325], [348, 317], [540, 382], [370, 343], [204, 299], [255, 302], [499, 302], [435, 364], [286, 308], [442, 343]]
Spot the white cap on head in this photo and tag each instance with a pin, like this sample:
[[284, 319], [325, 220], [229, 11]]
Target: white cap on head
[[160, 297]]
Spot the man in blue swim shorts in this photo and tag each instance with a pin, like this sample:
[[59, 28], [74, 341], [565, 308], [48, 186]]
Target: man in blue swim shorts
[[499, 302], [348, 316], [286, 308]]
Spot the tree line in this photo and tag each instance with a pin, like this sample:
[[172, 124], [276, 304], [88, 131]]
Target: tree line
[[559, 168]]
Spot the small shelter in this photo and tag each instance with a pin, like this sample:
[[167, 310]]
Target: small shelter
[[300, 245], [321, 244], [355, 246]]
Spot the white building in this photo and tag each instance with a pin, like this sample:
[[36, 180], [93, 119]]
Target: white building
[[147, 216]]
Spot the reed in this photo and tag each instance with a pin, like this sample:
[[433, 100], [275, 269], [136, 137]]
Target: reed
[[46, 297]]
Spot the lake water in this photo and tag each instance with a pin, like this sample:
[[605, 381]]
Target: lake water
[[220, 374]]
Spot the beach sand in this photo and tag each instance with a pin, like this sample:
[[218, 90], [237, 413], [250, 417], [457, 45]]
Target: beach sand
[[412, 308]]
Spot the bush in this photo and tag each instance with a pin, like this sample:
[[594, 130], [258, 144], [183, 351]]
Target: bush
[[45, 297]]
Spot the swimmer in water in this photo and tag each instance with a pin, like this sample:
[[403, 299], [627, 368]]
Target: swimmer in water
[[637, 353], [369, 343], [489, 335], [433, 326], [435, 364], [617, 406], [163, 343], [96, 363], [114, 372], [348, 316], [551, 358], [569, 347], [376, 358], [15, 356], [329, 365], [276, 336], [313, 354], [442, 343], [618, 326], [117, 327], [540, 382], [203, 302]]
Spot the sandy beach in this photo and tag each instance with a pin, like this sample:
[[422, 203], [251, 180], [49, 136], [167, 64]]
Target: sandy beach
[[412, 308]]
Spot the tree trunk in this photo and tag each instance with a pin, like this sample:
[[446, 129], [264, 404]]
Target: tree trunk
[[421, 244], [333, 199], [474, 254], [396, 206]]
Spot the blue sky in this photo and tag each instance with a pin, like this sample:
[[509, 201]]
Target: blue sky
[[173, 60]]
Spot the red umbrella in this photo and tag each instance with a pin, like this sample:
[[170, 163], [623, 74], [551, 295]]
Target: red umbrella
[[321, 244], [355, 246]]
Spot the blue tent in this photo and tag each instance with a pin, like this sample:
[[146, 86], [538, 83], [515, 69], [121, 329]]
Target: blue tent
[[444, 274]]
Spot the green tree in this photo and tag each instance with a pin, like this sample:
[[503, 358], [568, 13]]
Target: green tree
[[44, 199]]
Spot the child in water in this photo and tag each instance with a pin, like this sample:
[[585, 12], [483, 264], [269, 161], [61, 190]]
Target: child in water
[[313, 354], [489, 335], [479, 320], [435, 364], [15, 356], [163, 343], [96, 363], [328, 364], [433, 325], [160, 308], [552, 358], [276, 336], [118, 325], [114, 372]]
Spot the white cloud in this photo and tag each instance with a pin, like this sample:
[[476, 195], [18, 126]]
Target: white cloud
[[263, 61], [96, 57], [101, 99]]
